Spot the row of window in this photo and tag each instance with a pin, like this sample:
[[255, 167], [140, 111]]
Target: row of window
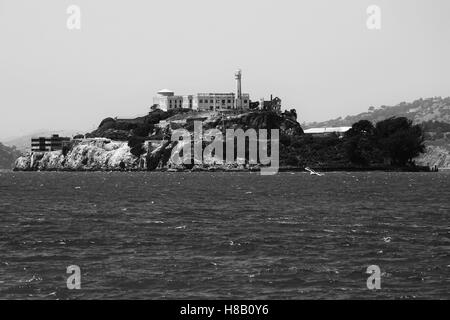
[[212, 101], [180, 103], [212, 107], [218, 101]]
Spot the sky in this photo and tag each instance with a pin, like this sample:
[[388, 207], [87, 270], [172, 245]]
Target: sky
[[318, 56]]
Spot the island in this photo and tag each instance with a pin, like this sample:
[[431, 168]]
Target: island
[[145, 144]]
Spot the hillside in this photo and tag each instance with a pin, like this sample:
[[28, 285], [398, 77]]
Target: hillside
[[433, 114], [8, 156], [159, 123], [422, 110]]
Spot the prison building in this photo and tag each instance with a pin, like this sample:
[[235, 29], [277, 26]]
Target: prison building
[[274, 104], [167, 100], [219, 101]]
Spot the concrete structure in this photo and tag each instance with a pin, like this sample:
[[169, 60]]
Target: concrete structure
[[53, 143], [340, 131], [167, 100], [220, 101], [238, 77], [274, 104]]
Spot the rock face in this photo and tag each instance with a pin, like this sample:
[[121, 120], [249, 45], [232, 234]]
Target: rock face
[[144, 143], [435, 156], [87, 155]]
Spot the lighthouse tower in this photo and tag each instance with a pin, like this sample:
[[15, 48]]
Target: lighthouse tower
[[238, 76]]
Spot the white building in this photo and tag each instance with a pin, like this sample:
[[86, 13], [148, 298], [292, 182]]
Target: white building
[[167, 100], [340, 131]]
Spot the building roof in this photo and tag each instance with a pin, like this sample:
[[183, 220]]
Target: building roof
[[165, 91], [328, 130]]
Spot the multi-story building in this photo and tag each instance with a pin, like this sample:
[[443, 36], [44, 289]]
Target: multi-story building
[[220, 101], [167, 100], [53, 143]]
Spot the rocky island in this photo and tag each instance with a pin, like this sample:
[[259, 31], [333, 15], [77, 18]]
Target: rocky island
[[144, 144]]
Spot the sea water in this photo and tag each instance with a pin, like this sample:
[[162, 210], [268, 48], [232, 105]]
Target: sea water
[[224, 235]]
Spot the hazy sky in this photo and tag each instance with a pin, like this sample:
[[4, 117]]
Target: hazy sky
[[317, 55]]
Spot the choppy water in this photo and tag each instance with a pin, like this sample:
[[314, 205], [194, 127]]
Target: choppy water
[[224, 235]]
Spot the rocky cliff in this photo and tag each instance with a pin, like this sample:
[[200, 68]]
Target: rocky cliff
[[91, 154], [438, 156], [148, 145]]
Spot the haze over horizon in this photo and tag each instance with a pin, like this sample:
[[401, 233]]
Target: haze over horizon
[[317, 56]]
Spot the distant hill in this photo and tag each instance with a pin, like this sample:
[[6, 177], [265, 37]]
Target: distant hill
[[432, 113], [422, 110], [8, 156]]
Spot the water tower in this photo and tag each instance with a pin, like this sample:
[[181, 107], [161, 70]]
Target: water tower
[[238, 76]]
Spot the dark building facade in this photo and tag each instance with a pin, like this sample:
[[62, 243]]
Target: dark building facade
[[273, 105], [53, 143]]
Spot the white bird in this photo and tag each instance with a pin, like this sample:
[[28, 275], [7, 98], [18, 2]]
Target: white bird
[[312, 172]]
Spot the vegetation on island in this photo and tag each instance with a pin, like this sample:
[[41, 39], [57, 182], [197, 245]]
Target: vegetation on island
[[396, 143], [393, 142]]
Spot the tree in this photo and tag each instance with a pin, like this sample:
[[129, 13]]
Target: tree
[[399, 140], [362, 127], [359, 143], [136, 146]]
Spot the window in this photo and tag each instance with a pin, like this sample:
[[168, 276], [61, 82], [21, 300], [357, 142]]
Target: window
[[211, 101], [211, 108], [200, 101], [229, 101], [245, 101], [223, 101]]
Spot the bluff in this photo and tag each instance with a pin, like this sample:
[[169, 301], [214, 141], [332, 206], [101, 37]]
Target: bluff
[[144, 143]]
